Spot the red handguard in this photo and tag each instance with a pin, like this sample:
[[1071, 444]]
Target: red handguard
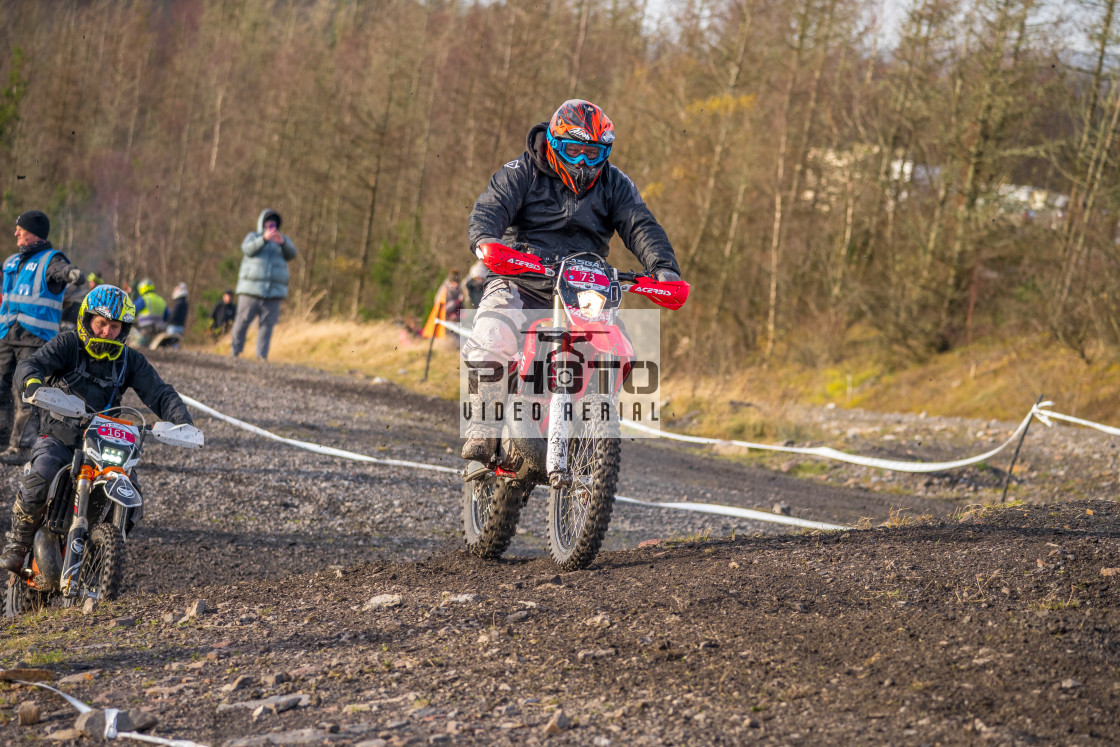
[[669, 293], [503, 260]]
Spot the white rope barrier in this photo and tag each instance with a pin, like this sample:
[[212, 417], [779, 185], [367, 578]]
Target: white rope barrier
[[317, 448], [825, 451], [111, 715], [840, 456], [342, 454], [456, 328], [1046, 415], [742, 513]]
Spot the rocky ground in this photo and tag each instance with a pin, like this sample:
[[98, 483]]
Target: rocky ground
[[332, 604]]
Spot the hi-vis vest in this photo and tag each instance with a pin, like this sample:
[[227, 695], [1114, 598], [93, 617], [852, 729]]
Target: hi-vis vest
[[153, 311], [27, 299]]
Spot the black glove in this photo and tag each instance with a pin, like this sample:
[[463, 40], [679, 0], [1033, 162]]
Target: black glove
[[30, 387], [74, 275], [666, 276]]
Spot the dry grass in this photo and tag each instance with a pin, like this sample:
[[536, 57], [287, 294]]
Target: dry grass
[[999, 378], [898, 517], [371, 349]]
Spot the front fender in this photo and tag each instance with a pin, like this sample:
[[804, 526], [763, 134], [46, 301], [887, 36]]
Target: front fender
[[120, 489]]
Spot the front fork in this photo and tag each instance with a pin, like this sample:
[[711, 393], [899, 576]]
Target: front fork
[[559, 425], [77, 536]]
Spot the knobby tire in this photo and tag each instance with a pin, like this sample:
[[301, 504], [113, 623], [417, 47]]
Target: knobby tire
[[491, 507], [19, 598], [578, 516], [102, 569]]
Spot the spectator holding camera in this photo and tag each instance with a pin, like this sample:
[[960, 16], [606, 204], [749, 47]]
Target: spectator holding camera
[[262, 282]]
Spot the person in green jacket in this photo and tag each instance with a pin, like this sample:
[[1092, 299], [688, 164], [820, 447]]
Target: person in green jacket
[[262, 282], [151, 312]]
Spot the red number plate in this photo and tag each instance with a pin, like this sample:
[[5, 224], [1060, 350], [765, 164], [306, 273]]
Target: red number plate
[[116, 433], [583, 276]]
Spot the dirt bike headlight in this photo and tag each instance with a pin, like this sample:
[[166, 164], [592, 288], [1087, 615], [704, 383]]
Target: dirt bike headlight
[[109, 455], [591, 303]]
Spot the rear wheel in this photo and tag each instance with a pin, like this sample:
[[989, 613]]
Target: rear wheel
[[491, 507], [102, 570], [21, 598], [578, 515]]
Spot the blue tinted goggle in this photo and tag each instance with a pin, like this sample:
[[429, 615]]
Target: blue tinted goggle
[[574, 151]]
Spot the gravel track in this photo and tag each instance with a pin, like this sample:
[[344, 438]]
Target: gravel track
[[970, 626]]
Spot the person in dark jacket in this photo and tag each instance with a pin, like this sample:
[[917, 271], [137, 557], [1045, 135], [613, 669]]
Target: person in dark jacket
[[221, 318], [179, 311], [35, 280], [262, 282], [92, 363], [560, 197]]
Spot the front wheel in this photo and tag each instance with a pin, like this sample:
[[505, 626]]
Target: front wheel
[[578, 515], [102, 570], [491, 507]]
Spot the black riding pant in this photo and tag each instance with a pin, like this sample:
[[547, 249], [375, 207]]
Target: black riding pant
[[48, 456]]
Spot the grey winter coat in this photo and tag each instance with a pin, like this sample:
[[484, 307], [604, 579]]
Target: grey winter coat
[[526, 203], [264, 269]]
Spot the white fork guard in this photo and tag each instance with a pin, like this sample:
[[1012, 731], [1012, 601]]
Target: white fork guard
[[559, 430]]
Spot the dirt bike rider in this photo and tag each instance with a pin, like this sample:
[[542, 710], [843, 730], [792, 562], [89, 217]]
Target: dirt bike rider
[[560, 197], [151, 312], [92, 363]]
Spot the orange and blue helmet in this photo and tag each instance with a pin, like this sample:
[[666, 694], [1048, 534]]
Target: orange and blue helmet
[[112, 303], [579, 142]]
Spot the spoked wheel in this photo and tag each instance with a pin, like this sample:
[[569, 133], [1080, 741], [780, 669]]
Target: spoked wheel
[[102, 568], [578, 515], [491, 506], [19, 598]]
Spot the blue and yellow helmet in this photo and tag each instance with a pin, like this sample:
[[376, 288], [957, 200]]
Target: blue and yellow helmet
[[112, 303]]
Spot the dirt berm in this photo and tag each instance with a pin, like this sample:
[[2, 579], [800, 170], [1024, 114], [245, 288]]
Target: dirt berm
[[339, 608]]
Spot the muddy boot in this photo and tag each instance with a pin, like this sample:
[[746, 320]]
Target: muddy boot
[[483, 431], [19, 542], [480, 449]]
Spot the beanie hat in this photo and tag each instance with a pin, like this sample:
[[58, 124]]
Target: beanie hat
[[35, 222]]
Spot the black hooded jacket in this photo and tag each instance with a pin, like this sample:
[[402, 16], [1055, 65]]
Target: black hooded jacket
[[527, 203], [64, 363]]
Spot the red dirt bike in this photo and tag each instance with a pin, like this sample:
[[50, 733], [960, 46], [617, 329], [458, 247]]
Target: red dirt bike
[[584, 356]]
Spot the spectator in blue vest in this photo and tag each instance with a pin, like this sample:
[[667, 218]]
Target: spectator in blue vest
[[35, 279]]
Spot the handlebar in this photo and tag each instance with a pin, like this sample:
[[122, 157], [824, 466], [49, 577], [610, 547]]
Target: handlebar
[[68, 407], [504, 260]]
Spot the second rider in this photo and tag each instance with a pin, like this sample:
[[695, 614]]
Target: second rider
[[91, 363]]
